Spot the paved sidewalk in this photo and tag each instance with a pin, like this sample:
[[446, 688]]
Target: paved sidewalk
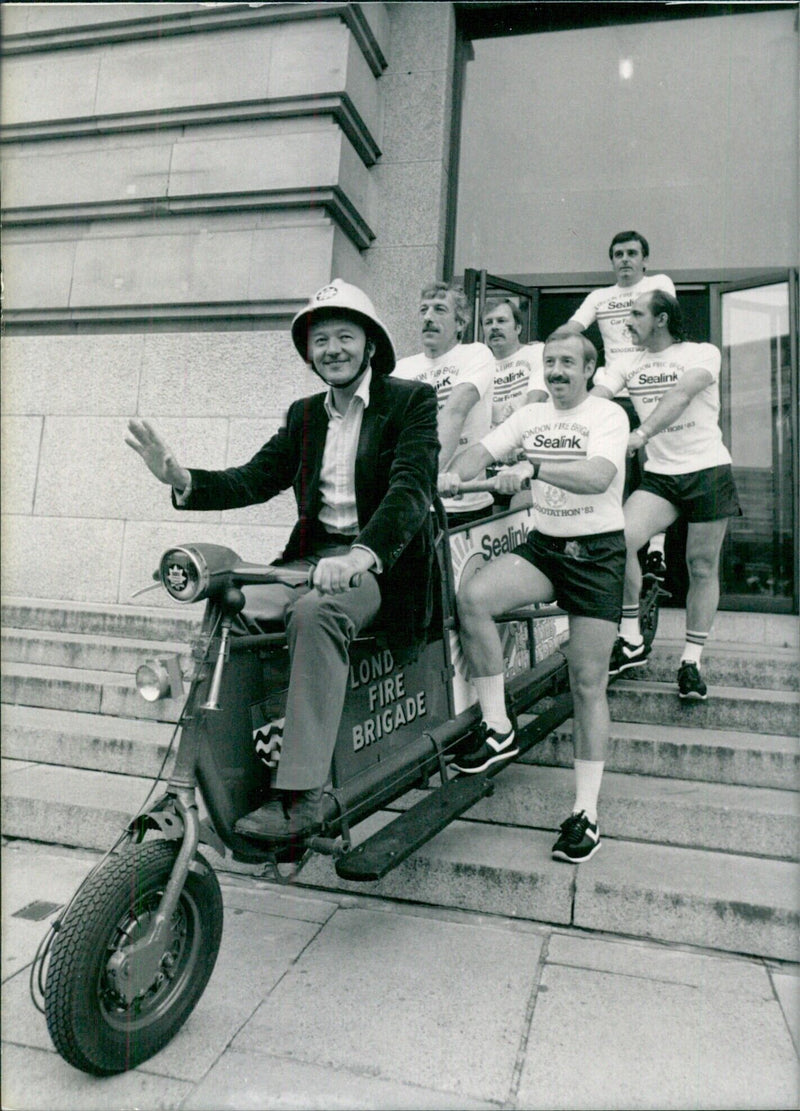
[[324, 1000]]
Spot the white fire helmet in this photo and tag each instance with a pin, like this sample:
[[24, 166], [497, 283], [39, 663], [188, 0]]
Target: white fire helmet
[[352, 302]]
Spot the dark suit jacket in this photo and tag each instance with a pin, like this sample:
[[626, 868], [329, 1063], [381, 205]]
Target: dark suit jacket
[[395, 478]]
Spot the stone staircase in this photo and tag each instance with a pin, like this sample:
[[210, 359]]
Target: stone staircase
[[699, 807]]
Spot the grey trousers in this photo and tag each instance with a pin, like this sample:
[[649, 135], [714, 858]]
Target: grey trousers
[[319, 629]]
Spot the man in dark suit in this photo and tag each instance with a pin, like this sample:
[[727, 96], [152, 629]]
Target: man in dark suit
[[362, 459]]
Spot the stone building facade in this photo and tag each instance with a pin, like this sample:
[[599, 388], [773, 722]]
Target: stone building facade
[[177, 179]]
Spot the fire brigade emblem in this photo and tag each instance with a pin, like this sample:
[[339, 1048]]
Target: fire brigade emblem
[[177, 577], [554, 497]]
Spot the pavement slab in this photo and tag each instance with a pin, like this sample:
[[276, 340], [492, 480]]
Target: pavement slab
[[400, 996], [655, 1043], [38, 1080], [258, 1081], [787, 989]]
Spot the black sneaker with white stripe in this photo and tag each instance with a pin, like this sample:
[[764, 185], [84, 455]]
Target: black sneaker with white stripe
[[691, 684], [625, 655], [579, 840], [488, 748]]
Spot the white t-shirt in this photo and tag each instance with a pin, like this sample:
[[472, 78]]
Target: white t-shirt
[[472, 363], [694, 441], [597, 428], [610, 307], [514, 377]]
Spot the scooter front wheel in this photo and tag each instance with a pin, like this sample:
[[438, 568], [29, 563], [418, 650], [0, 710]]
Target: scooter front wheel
[[93, 1023]]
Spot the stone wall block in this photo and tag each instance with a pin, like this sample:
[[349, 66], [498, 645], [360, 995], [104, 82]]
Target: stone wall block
[[290, 262], [86, 374], [49, 86], [108, 173], [87, 470], [421, 36], [377, 16], [180, 70], [61, 558], [37, 273], [30, 18], [19, 458], [365, 90], [146, 541], [256, 161], [117, 266], [309, 57], [410, 194], [222, 374], [414, 121]]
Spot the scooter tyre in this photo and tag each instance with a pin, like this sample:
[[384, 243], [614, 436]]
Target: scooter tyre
[[92, 1027]]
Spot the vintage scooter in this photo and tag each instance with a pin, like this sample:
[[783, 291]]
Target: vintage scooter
[[129, 957]]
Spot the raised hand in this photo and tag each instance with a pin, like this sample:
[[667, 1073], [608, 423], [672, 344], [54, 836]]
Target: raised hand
[[158, 456]]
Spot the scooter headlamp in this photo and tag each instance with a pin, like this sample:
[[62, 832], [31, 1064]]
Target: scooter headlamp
[[184, 574]]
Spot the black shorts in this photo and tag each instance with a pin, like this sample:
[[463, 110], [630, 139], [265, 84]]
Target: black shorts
[[708, 495], [587, 572]]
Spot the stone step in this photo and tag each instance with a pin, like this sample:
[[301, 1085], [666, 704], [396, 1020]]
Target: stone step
[[671, 811], [709, 755], [689, 896], [82, 740], [765, 668], [744, 710], [743, 820], [692, 896], [169, 622], [84, 737], [84, 650], [92, 692]]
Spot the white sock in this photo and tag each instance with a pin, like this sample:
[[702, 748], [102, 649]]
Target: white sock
[[629, 630], [657, 542], [588, 777], [692, 650], [491, 690]]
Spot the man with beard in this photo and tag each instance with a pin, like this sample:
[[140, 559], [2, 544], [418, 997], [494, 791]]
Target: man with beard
[[675, 388], [574, 447]]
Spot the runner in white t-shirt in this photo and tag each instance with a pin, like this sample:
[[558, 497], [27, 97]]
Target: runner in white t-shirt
[[575, 454], [674, 385], [609, 307], [519, 371], [462, 375]]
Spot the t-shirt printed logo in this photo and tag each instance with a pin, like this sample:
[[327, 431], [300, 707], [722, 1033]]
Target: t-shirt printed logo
[[650, 382], [556, 443]]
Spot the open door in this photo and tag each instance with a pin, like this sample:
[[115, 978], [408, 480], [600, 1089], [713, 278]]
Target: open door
[[757, 321], [479, 285]]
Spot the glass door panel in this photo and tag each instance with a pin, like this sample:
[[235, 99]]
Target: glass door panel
[[758, 556]]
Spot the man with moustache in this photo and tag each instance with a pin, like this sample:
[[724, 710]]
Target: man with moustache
[[463, 376], [518, 373], [674, 385], [362, 459], [574, 446]]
